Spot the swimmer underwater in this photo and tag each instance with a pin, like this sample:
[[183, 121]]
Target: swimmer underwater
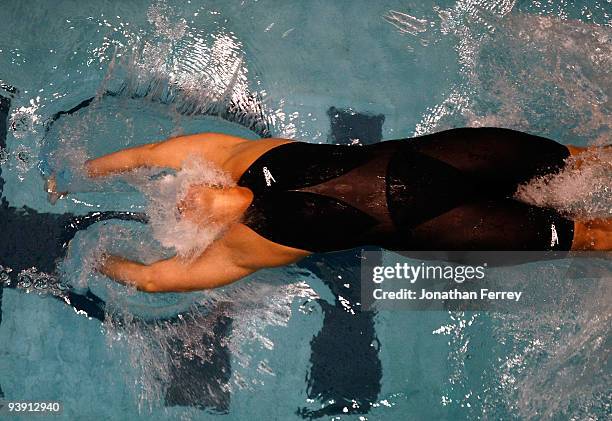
[[451, 190]]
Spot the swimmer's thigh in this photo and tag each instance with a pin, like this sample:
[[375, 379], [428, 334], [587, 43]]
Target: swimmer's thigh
[[504, 225], [500, 159]]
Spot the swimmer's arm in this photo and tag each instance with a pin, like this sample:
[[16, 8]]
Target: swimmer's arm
[[171, 153], [213, 269]]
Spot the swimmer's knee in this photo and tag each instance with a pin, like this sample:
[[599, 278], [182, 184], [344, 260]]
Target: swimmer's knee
[[593, 235], [575, 150], [581, 156]]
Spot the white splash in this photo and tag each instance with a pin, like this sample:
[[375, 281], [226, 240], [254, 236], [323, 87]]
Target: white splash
[[187, 238], [25, 120], [405, 23], [583, 190], [165, 21]]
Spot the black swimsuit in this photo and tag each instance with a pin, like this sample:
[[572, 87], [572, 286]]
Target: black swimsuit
[[446, 191]]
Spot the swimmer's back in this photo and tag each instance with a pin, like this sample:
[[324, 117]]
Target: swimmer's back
[[409, 194], [243, 154]]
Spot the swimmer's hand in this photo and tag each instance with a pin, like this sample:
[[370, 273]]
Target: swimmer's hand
[[51, 188]]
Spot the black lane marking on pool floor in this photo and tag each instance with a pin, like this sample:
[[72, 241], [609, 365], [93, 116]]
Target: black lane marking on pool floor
[[202, 383], [348, 126], [5, 105], [49, 234], [345, 365]]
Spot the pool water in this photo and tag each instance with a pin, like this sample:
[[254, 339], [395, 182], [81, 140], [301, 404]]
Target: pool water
[[79, 79]]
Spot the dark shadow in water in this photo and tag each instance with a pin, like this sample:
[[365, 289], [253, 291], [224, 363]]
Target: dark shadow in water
[[5, 105], [192, 377], [345, 363], [347, 125], [32, 239]]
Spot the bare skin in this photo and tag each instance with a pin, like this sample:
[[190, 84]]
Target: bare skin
[[594, 234], [240, 251]]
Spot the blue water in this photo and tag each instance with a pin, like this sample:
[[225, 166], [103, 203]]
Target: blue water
[[288, 343]]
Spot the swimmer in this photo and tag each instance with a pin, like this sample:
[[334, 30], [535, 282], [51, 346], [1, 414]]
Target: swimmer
[[451, 190]]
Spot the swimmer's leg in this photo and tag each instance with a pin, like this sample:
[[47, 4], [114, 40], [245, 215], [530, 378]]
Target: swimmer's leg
[[595, 234], [509, 225], [581, 156], [501, 225], [498, 160], [504, 157]]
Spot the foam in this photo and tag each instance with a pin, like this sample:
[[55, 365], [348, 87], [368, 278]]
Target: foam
[[185, 237], [583, 191]]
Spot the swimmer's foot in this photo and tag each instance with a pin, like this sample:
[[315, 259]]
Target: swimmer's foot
[[593, 235], [51, 188]]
